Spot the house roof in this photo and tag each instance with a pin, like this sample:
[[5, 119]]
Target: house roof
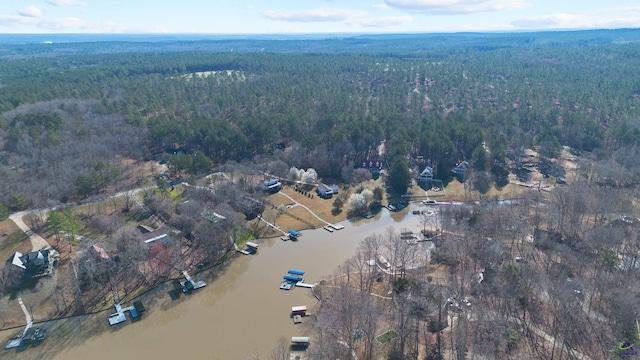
[[428, 171], [324, 188], [17, 260], [157, 234], [99, 252], [271, 183], [371, 164], [36, 262]]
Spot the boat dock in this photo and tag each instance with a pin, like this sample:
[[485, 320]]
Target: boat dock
[[292, 278], [30, 335], [252, 248], [299, 309], [336, 226], [189, 284], [119, 316], [303, 285], [298, 312], [328, 228]]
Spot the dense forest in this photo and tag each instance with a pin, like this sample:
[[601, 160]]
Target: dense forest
[[74, 114], [493, 95]]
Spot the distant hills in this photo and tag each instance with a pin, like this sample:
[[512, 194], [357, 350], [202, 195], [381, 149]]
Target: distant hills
[[24, 44]]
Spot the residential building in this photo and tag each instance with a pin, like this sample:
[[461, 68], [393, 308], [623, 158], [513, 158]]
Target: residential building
[[36, 264]]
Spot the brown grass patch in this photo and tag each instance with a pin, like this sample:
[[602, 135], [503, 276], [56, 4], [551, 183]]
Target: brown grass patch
[[12, 239], [455, 191], [440, 275]]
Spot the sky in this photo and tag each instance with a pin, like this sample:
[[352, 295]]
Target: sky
[[311, 16]]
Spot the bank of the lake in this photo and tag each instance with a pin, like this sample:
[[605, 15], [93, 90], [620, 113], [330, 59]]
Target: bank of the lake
[[239, 313]]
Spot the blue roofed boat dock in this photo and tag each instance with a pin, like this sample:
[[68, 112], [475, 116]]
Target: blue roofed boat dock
[[293, 278]]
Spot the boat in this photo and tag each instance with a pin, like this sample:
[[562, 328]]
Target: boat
[[286, 285]]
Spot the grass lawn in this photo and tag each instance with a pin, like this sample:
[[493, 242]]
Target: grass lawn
[[298, 217], [387, 336], [321, 207]]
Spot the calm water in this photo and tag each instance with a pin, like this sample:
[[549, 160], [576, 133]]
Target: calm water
[[240, 313]]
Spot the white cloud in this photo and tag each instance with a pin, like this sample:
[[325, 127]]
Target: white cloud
[[381, 6], [66, 3], [619, 10], [618, 23], [30, 11], [571, 21], [381, 22], [314, 15], [456, 6], [9, 20], [63, 24], [57, 24]]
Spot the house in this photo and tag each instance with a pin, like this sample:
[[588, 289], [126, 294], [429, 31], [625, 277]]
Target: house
[[249, 207], [36, 264], [375, 166], [324, 191], [271, 186], [426, 176], [460, 170]]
